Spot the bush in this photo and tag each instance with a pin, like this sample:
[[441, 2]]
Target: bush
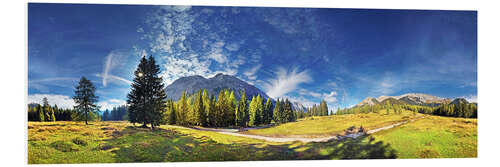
[[63, 146], [79, 141], [428, 153]]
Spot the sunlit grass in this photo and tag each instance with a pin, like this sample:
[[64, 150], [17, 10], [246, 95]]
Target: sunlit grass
[[107, 142], [433, 137], [332, 125]]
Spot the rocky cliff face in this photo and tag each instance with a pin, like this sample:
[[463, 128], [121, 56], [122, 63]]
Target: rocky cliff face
[[213, 85]]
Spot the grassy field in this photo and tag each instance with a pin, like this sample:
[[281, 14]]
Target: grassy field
[[433, 137], [106, 142], [332, 125]]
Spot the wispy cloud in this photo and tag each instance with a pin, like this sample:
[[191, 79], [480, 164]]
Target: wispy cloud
[[250, 73], [62, 101], [43, 84], [109, 104], [286, 81], [113, 60]]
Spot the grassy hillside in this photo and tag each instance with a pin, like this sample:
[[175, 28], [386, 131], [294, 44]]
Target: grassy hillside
[[68, 142], [106, 142], [433, 137], [332, 125]]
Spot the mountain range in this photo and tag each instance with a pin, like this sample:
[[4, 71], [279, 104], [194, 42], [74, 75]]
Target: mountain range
[[410, 98], [191, 84]]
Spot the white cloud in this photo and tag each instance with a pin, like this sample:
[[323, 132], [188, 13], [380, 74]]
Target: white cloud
[[219, 58], [286, 81], [43, 84], [333, 84], [330, 98], [113, 60], [250, 73], [233, 47], [305, 102], [109, 104], [62, 101], [471, 98]]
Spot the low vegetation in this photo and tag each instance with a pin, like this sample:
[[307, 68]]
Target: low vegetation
[[433, 137], [333, 125]]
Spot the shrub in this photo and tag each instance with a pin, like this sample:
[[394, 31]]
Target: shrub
[[63, 146], [79, 141], [427, 153]]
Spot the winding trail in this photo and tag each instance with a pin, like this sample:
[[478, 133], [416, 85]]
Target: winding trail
[[234, 132]]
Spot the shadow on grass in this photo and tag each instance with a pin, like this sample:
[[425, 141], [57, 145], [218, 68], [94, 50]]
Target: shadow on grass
[[167, 145]]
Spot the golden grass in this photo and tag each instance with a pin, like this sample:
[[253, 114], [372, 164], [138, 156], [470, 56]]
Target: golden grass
[[332, 125]]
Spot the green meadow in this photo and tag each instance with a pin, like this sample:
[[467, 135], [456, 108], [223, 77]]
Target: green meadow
[[108, 142]]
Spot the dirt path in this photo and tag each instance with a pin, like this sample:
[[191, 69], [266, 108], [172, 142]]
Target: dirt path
[[234, 132]]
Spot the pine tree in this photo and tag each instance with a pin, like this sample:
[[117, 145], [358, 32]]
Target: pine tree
[[268, 110], [220, 109], [105, 115], [324, 108], [260, 109], [232, 104], [241, 110], [41, 115], [182, 111], [253, 112], [199, 110], [288, 113], [85, 99], [211, 111], [276, 112], [147, 97], [52, 115], [171, 113]]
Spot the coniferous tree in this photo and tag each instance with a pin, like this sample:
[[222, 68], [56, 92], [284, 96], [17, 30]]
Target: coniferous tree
[[85, 99], [199, 110], [260, 109], [276, 112], [324, 108], [268, 110], [171, 113], [105, 115], [41, 115], [211, 111], [241, 110], [147, 97], [220, 109], [232, 104], [182, 111], [253, 112], [288, 113]]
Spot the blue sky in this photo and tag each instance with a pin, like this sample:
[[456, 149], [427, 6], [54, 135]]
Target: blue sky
[[340, 55]]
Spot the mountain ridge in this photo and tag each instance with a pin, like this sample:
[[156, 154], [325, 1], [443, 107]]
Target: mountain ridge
[[213, 85], [409, 98]]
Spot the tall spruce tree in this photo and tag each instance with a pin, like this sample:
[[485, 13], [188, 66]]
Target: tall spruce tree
[[276, 112], [268, 111], [232, 104], [324, 108], [85, 99], [199, 110], [146, 100], [241, 110]]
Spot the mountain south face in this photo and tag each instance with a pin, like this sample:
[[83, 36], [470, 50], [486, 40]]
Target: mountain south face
[[192, 84], [410, 98]]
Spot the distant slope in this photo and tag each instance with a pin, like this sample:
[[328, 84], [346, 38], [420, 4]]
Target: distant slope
[[410, 98], [192, 84]]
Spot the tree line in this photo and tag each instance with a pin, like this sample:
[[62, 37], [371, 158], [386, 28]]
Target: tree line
[[203, 109], [48, 113], [462, 109], [119, 113]]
